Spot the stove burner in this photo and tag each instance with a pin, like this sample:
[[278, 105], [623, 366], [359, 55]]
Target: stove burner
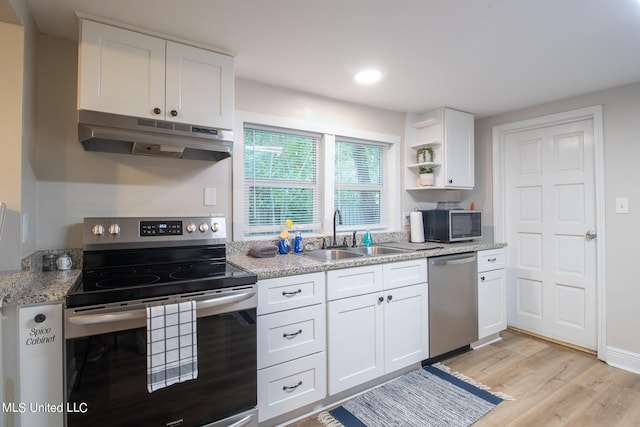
[[116, 282]]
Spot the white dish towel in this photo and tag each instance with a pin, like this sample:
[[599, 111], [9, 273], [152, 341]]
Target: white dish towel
[[172, 344]]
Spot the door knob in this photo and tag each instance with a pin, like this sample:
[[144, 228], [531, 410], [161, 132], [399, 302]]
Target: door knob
[[591, 235]]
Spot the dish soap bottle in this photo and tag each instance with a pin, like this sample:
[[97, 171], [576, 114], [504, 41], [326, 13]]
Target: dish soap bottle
[[297, 243], [367, 240]]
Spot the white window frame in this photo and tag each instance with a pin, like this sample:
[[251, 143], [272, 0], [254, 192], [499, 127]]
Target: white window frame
[[392, 168]]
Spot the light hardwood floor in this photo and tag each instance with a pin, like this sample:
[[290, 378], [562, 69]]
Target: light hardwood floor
[[553, 385]]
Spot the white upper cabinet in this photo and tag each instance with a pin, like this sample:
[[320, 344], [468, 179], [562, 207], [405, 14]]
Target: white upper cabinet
[[129, 73], [449, 135]]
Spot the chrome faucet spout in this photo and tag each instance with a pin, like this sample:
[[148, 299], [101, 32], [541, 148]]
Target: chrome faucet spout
[[339, 214]]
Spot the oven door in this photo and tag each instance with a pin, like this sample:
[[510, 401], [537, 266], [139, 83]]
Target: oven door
[[106, 366]]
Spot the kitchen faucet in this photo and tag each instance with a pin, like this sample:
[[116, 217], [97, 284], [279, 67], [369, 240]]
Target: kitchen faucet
[[339, 214]]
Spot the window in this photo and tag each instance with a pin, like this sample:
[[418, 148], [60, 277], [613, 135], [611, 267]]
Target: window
[[303, 171], [359, 183], [282, 180]]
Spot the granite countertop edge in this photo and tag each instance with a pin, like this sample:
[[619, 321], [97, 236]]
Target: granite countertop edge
[[293, 264], [36, 287], [33, 286]]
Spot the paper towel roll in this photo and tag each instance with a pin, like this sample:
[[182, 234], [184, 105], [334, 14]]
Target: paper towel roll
[[417, 227]]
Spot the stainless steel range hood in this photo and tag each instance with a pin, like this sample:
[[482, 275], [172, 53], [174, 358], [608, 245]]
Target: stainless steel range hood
[[114, 133]]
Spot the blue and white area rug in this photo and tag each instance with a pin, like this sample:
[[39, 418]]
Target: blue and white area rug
[[432, 396]]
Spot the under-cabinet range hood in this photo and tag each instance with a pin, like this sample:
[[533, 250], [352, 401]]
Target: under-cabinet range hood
[[114, 133]]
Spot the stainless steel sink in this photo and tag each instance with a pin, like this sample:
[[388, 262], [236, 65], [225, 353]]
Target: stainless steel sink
[[346, 253], [376, 250], [332, 254]]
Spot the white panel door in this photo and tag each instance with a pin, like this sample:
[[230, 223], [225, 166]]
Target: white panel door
[[355, 341], [199, 86], [121, 71], [550, 208]]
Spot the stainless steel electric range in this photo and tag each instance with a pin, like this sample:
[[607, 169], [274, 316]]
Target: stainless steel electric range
[[129, 265]]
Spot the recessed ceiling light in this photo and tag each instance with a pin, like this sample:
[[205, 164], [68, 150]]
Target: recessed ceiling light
[[367, 77]]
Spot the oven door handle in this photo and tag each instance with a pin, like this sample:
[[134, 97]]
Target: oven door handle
[[92, 319]]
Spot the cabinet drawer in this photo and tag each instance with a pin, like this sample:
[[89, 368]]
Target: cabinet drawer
[[288, 386], [492, 259], [404, 273], [290, 334], [354, 281], [284, 293]]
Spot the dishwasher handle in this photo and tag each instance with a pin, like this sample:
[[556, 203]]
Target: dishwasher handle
[[453, 259]]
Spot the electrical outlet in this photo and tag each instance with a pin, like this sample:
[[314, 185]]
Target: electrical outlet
[[25, 227], [209, 196], [622, 205], [405, 218]]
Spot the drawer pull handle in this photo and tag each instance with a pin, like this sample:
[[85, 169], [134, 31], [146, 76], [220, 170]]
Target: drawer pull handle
[[292, 335], [290, 388], [290, 294], [492, 259]]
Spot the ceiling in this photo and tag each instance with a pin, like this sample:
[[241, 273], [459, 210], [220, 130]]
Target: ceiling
[[481, 56]]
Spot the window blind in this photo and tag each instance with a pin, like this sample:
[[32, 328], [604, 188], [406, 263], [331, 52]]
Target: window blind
[[359, 183], [282, 180]]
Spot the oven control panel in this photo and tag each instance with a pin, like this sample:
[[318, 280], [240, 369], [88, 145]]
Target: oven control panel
[[156, 231], [160, 228]]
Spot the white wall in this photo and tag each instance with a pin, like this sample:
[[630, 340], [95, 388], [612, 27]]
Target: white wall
[[621, 111], [73, 183]]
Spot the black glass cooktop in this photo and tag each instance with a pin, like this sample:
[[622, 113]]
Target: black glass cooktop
[[102, 287]]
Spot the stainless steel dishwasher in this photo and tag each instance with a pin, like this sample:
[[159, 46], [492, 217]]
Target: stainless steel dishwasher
[[453, 302]]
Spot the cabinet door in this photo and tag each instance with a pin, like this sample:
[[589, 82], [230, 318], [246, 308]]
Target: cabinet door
[[406, 326], [41, 366], [459, 153], [355, 341], [121, 71], [492, 302], [199, 86]]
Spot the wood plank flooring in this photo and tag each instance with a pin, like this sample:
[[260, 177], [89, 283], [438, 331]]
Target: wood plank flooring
[[553, 385]]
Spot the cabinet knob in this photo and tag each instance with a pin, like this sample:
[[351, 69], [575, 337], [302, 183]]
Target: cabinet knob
[[482, 278], [380, 299], [39, 318], [450, 181], [174, 113], [389, 297], [157, 111]]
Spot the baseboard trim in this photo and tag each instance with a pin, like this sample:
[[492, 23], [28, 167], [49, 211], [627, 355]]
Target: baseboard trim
[[623, 359]]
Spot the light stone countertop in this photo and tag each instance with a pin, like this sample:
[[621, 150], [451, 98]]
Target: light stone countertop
[[292, 264], [33, 286]]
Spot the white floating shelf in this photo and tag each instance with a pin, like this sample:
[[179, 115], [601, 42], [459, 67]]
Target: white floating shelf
[[425, 123]]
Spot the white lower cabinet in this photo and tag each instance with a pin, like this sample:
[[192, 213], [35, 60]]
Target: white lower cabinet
[[492, 293], [356, 346], [291, 330], [33, 387], [376, 333]]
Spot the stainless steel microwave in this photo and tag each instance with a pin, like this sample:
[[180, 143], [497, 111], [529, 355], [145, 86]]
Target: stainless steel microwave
[[451, 225]]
